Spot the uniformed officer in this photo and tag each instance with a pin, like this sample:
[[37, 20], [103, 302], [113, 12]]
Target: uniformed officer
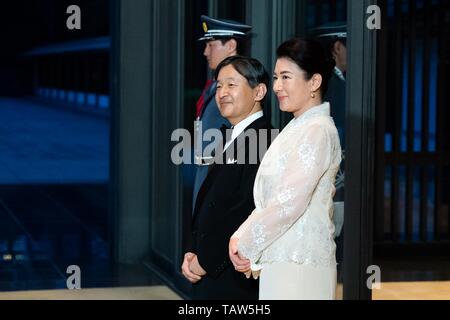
[[222, 38], [334, 37]]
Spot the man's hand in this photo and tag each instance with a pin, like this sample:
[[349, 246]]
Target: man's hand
[[240, 264], [186, 268], [196, 267]]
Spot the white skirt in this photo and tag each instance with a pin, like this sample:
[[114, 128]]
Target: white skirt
[[291, 281]]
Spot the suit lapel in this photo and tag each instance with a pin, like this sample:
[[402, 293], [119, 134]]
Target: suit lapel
[[240, 143], [259, 123]]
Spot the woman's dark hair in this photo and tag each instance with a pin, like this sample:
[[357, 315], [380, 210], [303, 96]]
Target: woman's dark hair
[[251, 69], [311, 57]]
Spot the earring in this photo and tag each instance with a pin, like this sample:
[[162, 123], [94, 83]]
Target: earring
[[313, 95]]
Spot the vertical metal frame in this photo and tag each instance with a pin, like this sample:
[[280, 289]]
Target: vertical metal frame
[[360, 151]]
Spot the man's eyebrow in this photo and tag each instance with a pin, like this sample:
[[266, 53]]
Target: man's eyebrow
[[229, 78]]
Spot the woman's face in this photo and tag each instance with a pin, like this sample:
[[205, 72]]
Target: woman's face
[[291, 88], [234, 96]]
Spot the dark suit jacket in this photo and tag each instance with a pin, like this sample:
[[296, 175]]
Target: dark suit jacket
[[224, 202]]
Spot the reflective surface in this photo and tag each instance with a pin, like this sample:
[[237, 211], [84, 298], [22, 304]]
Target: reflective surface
[[54, 167], [45, 229]]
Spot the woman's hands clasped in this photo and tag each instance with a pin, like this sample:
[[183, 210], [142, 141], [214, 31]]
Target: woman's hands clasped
[[240, 264]]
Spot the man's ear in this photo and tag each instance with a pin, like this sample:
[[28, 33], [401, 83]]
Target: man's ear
[[261, 91], [337, 47], [232, 46]]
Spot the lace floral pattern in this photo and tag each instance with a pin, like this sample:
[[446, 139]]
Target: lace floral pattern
[[285, 196], [307, 154], [292, 219]]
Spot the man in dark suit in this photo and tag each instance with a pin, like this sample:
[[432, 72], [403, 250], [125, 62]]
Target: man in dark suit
[[225, 198], [223, 39]]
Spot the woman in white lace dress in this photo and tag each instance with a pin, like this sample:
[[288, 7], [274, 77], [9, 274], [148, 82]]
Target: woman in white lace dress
[[288, 239]]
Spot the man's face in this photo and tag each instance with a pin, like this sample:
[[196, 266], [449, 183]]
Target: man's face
[[234, 96], [215, 52], [340, 55]]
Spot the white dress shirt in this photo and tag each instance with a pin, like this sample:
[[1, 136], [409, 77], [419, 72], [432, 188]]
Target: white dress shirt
[[240, 127], [339, 73]]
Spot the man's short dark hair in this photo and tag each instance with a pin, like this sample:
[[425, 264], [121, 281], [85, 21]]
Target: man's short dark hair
[[242, 45], [328, 43], [250, 68]]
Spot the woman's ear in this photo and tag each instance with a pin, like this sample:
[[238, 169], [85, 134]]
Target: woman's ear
[[316, 82], [261, 91]]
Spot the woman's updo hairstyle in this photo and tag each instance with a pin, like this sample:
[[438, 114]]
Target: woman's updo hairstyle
[[311, 57]]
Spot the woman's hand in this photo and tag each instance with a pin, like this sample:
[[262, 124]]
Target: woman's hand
[[240, 264]]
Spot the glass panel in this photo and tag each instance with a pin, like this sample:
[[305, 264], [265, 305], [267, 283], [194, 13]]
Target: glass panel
[[416, 221], [431, 202], [405, 99], [433, 95], [388, 142], [232, 10], [402, 204], [54, 155], [388, 202], [444, 212], [332, 16], [418, 91]]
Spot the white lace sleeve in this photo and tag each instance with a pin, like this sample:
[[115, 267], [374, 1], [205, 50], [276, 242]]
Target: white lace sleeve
[[307, 160], [243, 227]]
